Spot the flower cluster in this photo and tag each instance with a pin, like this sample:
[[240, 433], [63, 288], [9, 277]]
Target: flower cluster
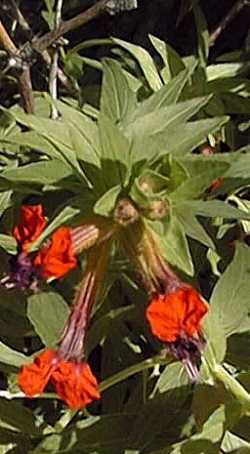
[[174, 312]]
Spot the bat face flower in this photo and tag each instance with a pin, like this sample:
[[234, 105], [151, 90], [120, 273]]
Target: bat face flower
[[32, 223], [53, 260], [175, 319], [57, 258], [73, 381]]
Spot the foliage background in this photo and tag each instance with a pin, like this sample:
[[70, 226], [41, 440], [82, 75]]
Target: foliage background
[[170, 114]]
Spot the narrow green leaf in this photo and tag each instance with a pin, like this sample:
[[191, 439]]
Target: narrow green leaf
[[173, 63], [202, 33], [192, 227], [226, 70], [168, 94], [163, 118], [184, 138], [117, 99], [145, 61], [213, 208]]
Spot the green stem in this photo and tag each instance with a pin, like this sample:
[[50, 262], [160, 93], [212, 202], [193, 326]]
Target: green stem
[[132, 370], [233, 386]]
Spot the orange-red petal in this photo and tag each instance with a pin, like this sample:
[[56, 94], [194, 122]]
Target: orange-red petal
[[75, 384], [176, 314], [57, 258], [33, 378], [31, 225]]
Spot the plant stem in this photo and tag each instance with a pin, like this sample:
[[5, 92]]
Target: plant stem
[[233, 386], [24, 78], [40, 44], [54, 64], [232, 13]]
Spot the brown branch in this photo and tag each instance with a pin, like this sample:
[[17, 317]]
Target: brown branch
[[6, 41], [232, 13], [24, 78], [41, 44]]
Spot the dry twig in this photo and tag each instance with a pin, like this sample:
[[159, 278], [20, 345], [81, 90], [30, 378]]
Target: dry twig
[[24, 78], [232, 13]]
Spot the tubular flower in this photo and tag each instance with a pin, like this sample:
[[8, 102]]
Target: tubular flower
[[32, 223], [73, 381], [66, 368], [56, 259], [175, 319]]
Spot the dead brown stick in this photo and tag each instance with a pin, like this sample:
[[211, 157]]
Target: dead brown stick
[[65, 81], [232, 13], [41, 44], [24, 78]]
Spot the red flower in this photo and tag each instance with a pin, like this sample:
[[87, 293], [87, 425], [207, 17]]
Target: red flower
[[75, 384], [33, 378], [31, 225], [57, 258], [175, 319], [73, 381], [176, 314]]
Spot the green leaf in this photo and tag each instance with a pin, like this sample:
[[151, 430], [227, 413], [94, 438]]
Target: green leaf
[[175, 246], [230, 298], [145, 61], [11, 357], [159, 120], [173, 63], [226, 70], [115, 153], [57, 132], [195, 186], [172, 377], [17, 418], [117, 99], [41, 173], [168, 94], [84, 133], [215, 336], [192, 227], [231, 442], [184, 138], [8, 243], [202, 33], [106, 203], [213, 208], [48, 311], [5, 201]]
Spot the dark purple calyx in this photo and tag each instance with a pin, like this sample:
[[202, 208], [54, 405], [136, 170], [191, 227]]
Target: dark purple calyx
[[22, 273], [188, 350]]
